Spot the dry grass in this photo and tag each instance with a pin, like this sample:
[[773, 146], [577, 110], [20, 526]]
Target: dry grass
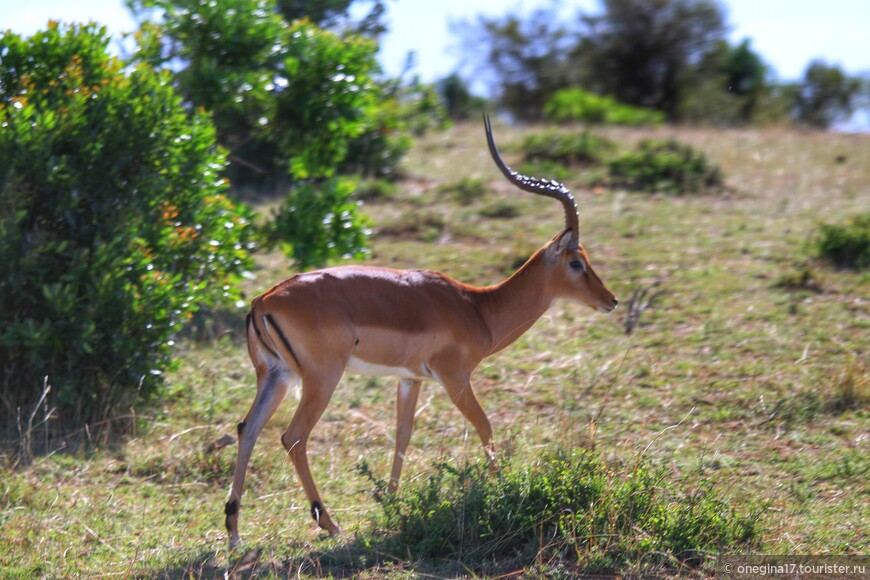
[[728, 375]]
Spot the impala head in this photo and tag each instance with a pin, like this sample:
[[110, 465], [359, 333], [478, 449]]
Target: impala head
[[570, 270]]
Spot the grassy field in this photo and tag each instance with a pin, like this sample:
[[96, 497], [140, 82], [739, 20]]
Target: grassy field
[[749, 370]]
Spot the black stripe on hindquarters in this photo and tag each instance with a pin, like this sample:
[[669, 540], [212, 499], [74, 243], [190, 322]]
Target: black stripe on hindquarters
[[284, 340], [252, 322]]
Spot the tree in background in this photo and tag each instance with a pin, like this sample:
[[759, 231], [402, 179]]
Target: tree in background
[[457, 98], [526, 58], [336, 13], [732, 86], [668, 55], [745, 76], [640, 52], [825, 95]]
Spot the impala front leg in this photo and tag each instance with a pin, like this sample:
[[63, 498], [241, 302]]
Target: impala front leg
[[406, 405], [463, 397]]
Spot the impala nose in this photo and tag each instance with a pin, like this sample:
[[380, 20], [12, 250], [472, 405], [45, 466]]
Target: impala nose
[[606, 309]]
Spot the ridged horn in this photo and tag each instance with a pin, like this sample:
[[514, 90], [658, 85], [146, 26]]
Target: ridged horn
[[547, 188]]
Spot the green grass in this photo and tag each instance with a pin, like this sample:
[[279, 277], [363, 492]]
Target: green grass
[[746, 376]]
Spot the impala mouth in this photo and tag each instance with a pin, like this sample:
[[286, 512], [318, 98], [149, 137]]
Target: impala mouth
[[607, 309]]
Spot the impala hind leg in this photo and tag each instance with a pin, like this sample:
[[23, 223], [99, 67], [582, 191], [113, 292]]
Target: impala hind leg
[[406, 405], [316, 394], [272, 387]]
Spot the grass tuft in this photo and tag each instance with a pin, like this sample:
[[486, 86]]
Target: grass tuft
[[571, 149], [851, 387], [465, 191], [665, 166], [571, 510], [847, 244]]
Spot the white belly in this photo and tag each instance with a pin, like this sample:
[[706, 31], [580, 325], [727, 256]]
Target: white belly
[[362, 367]]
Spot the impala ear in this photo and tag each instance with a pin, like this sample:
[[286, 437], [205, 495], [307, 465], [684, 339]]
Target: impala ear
[[559, 245]]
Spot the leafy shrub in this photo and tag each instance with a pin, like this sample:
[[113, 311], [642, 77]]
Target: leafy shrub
[[846, 245], [578, 105], [320, 221], [664, 166], [402, 110], [568, 148], [113, 222], [595, 517]]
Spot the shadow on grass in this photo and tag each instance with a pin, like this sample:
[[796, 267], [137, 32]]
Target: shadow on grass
[[360, 558], [352, 559]]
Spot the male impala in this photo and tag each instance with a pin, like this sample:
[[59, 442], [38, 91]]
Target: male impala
[[412, 324]]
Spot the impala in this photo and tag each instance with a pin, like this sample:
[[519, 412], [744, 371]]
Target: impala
[[412, 324]]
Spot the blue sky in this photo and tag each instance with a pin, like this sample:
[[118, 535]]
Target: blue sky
[[787, 33]]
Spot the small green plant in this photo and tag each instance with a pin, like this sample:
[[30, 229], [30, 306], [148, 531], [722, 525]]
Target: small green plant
[[665, 166], [574, 148], [376, 190], [465, 191], [595, 517], [546, 170], [846, 245], [501, 209], [801, 279], [578, 105]]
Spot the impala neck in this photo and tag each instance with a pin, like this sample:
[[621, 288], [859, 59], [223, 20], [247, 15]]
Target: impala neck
[[513, 306]]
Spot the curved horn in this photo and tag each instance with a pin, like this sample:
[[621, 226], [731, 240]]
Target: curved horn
[[548, 188]]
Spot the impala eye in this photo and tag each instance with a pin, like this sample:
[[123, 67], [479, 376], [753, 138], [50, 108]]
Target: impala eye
[[577, 265]]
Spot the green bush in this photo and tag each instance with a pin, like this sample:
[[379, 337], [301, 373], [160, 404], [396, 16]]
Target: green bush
[[319, 222], [578, 105], [846, 245], [113, 222], [583, 148], [664, 166], [594, 517]]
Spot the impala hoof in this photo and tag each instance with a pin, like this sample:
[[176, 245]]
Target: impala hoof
[[332, 529], [323, 520]]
